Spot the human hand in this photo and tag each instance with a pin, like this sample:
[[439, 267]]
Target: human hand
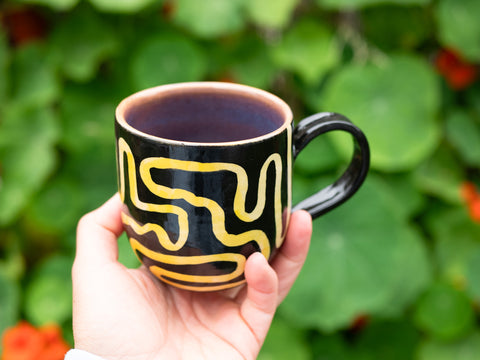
[[121, 313]]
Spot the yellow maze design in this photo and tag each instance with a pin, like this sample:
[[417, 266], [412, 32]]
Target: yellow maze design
[[217, 213]]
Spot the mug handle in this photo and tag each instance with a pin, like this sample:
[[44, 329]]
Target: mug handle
[[353, 177]]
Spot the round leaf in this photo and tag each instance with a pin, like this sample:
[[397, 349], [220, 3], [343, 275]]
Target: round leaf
[[122, 6], [459, 27], [309, 49], [48, 295], [362, 256], [81, 42], [271, 13], [463, 132], [167, 59], [445, 312], [394, 103], [467, 348], [209, 18]]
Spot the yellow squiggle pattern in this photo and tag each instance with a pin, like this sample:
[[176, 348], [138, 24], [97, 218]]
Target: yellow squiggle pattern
[[218, 215]]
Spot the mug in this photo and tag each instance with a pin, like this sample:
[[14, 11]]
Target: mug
[[205, 173]]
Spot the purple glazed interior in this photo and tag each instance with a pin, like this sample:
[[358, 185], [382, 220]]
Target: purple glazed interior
[[203, 113]]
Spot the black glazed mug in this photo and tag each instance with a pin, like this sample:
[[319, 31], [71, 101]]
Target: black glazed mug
[[204, 172]]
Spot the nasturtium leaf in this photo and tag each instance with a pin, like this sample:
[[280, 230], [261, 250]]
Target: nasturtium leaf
[[392, 340], [48, 295], [167, 58], [86, 112], [27, 155], [9, 302], [463, 132], [362, 255], [444, 312], [80, 42], [319, 156], [309, 49], [271, 13], [395, 103], [123, 6], [473, 275], [458, 26], [284, 343], [33, 76], [394, 27], [58, 5], [355, 4], [331, 347], [210, 18], [252, 65], [456, 241], [441, 176], [56, 208], [467, 348]]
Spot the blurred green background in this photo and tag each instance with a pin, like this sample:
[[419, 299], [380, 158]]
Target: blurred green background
[[392, 274]]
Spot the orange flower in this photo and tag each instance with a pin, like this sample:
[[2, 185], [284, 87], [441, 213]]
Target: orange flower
[[25, 342], [22, 342]]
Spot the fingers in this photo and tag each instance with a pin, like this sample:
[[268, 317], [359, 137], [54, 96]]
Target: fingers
[[97, 234], [261, 301], [291, 256]]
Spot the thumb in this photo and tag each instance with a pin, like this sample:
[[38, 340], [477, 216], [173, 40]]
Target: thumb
[[260, 303]]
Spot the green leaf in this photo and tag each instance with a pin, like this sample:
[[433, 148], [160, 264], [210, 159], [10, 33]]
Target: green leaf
[[9, 302], [251, 64], [210, 18], [467, 348], [464, 38], [394, 27], [48, 295], [392, 340], [86, 112], [123, 6], [284, 343], [271, 13], [33, 76], [440, 176], [354, 4], [472, 274], [50, 212], [309, 49], [362, 258], [27, 156], [58, 5], [456, 242], [401, 128], [463, 132], [81, 42], [444, 312], [167, 58]]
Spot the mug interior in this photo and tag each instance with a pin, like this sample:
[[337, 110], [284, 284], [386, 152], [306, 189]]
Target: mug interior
[[205, 112]]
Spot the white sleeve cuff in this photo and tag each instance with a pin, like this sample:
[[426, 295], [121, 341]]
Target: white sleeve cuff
[[75, 354]]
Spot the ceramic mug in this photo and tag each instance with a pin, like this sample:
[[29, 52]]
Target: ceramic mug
[[205, 171]]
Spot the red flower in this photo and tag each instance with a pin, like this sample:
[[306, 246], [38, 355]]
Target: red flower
[[25, 342], [458, 73]]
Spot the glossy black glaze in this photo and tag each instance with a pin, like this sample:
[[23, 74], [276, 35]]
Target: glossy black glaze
[[340, 191]]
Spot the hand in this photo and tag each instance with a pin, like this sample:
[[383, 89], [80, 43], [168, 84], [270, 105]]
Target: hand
[[121, 313]]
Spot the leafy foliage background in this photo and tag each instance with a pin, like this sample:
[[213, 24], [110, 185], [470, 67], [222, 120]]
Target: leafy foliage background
[[392, 274]]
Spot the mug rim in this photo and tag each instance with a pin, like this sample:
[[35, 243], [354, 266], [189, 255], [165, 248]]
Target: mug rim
[[258, 95]]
